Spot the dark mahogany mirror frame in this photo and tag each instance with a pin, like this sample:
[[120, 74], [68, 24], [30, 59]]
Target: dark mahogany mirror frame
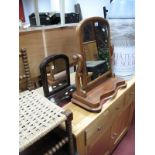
[[44, 77]]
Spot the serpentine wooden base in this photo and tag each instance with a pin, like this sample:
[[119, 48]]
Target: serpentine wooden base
[[96, 97]]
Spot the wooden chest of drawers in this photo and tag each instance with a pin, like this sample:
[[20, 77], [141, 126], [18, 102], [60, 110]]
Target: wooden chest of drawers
[[99, 133]]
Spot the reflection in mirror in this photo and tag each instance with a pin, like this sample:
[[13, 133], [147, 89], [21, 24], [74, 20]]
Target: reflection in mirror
[[103, 45], [56, 74], [95, 42], [55, 77], [88, 32]]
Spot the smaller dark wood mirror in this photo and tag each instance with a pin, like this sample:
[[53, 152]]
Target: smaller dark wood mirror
[[95, 82], [55, 77]]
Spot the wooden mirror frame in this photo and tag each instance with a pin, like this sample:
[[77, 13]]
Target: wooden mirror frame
[[86, 84], [92, 95], [44, 77]]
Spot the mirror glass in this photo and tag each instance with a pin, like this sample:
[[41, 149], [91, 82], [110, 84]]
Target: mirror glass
[[95, 42], [56, 75]]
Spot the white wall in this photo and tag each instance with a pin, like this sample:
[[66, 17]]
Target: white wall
[[69, 6], [43, 6], [122, 9], [28, 9], [91, 8], [55, 5], [116, 9]]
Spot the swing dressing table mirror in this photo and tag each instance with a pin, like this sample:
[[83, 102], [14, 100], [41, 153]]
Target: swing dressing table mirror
[[55, 77], [94, 61]]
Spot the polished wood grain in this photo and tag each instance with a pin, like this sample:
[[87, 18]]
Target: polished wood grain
[[62, 41], [97, 96]]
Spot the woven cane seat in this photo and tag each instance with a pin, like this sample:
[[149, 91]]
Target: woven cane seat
[[37, 116]]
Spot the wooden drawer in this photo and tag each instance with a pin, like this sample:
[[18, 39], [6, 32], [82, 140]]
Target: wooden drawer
[[101, 145], [96, 129]]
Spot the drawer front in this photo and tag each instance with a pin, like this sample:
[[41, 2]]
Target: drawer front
[[101, 146], [96, 129]]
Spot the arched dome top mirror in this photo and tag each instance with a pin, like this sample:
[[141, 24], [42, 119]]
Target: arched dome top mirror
[[94, 79]]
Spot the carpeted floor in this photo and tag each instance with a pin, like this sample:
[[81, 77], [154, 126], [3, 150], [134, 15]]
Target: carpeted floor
[[127, 145]]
